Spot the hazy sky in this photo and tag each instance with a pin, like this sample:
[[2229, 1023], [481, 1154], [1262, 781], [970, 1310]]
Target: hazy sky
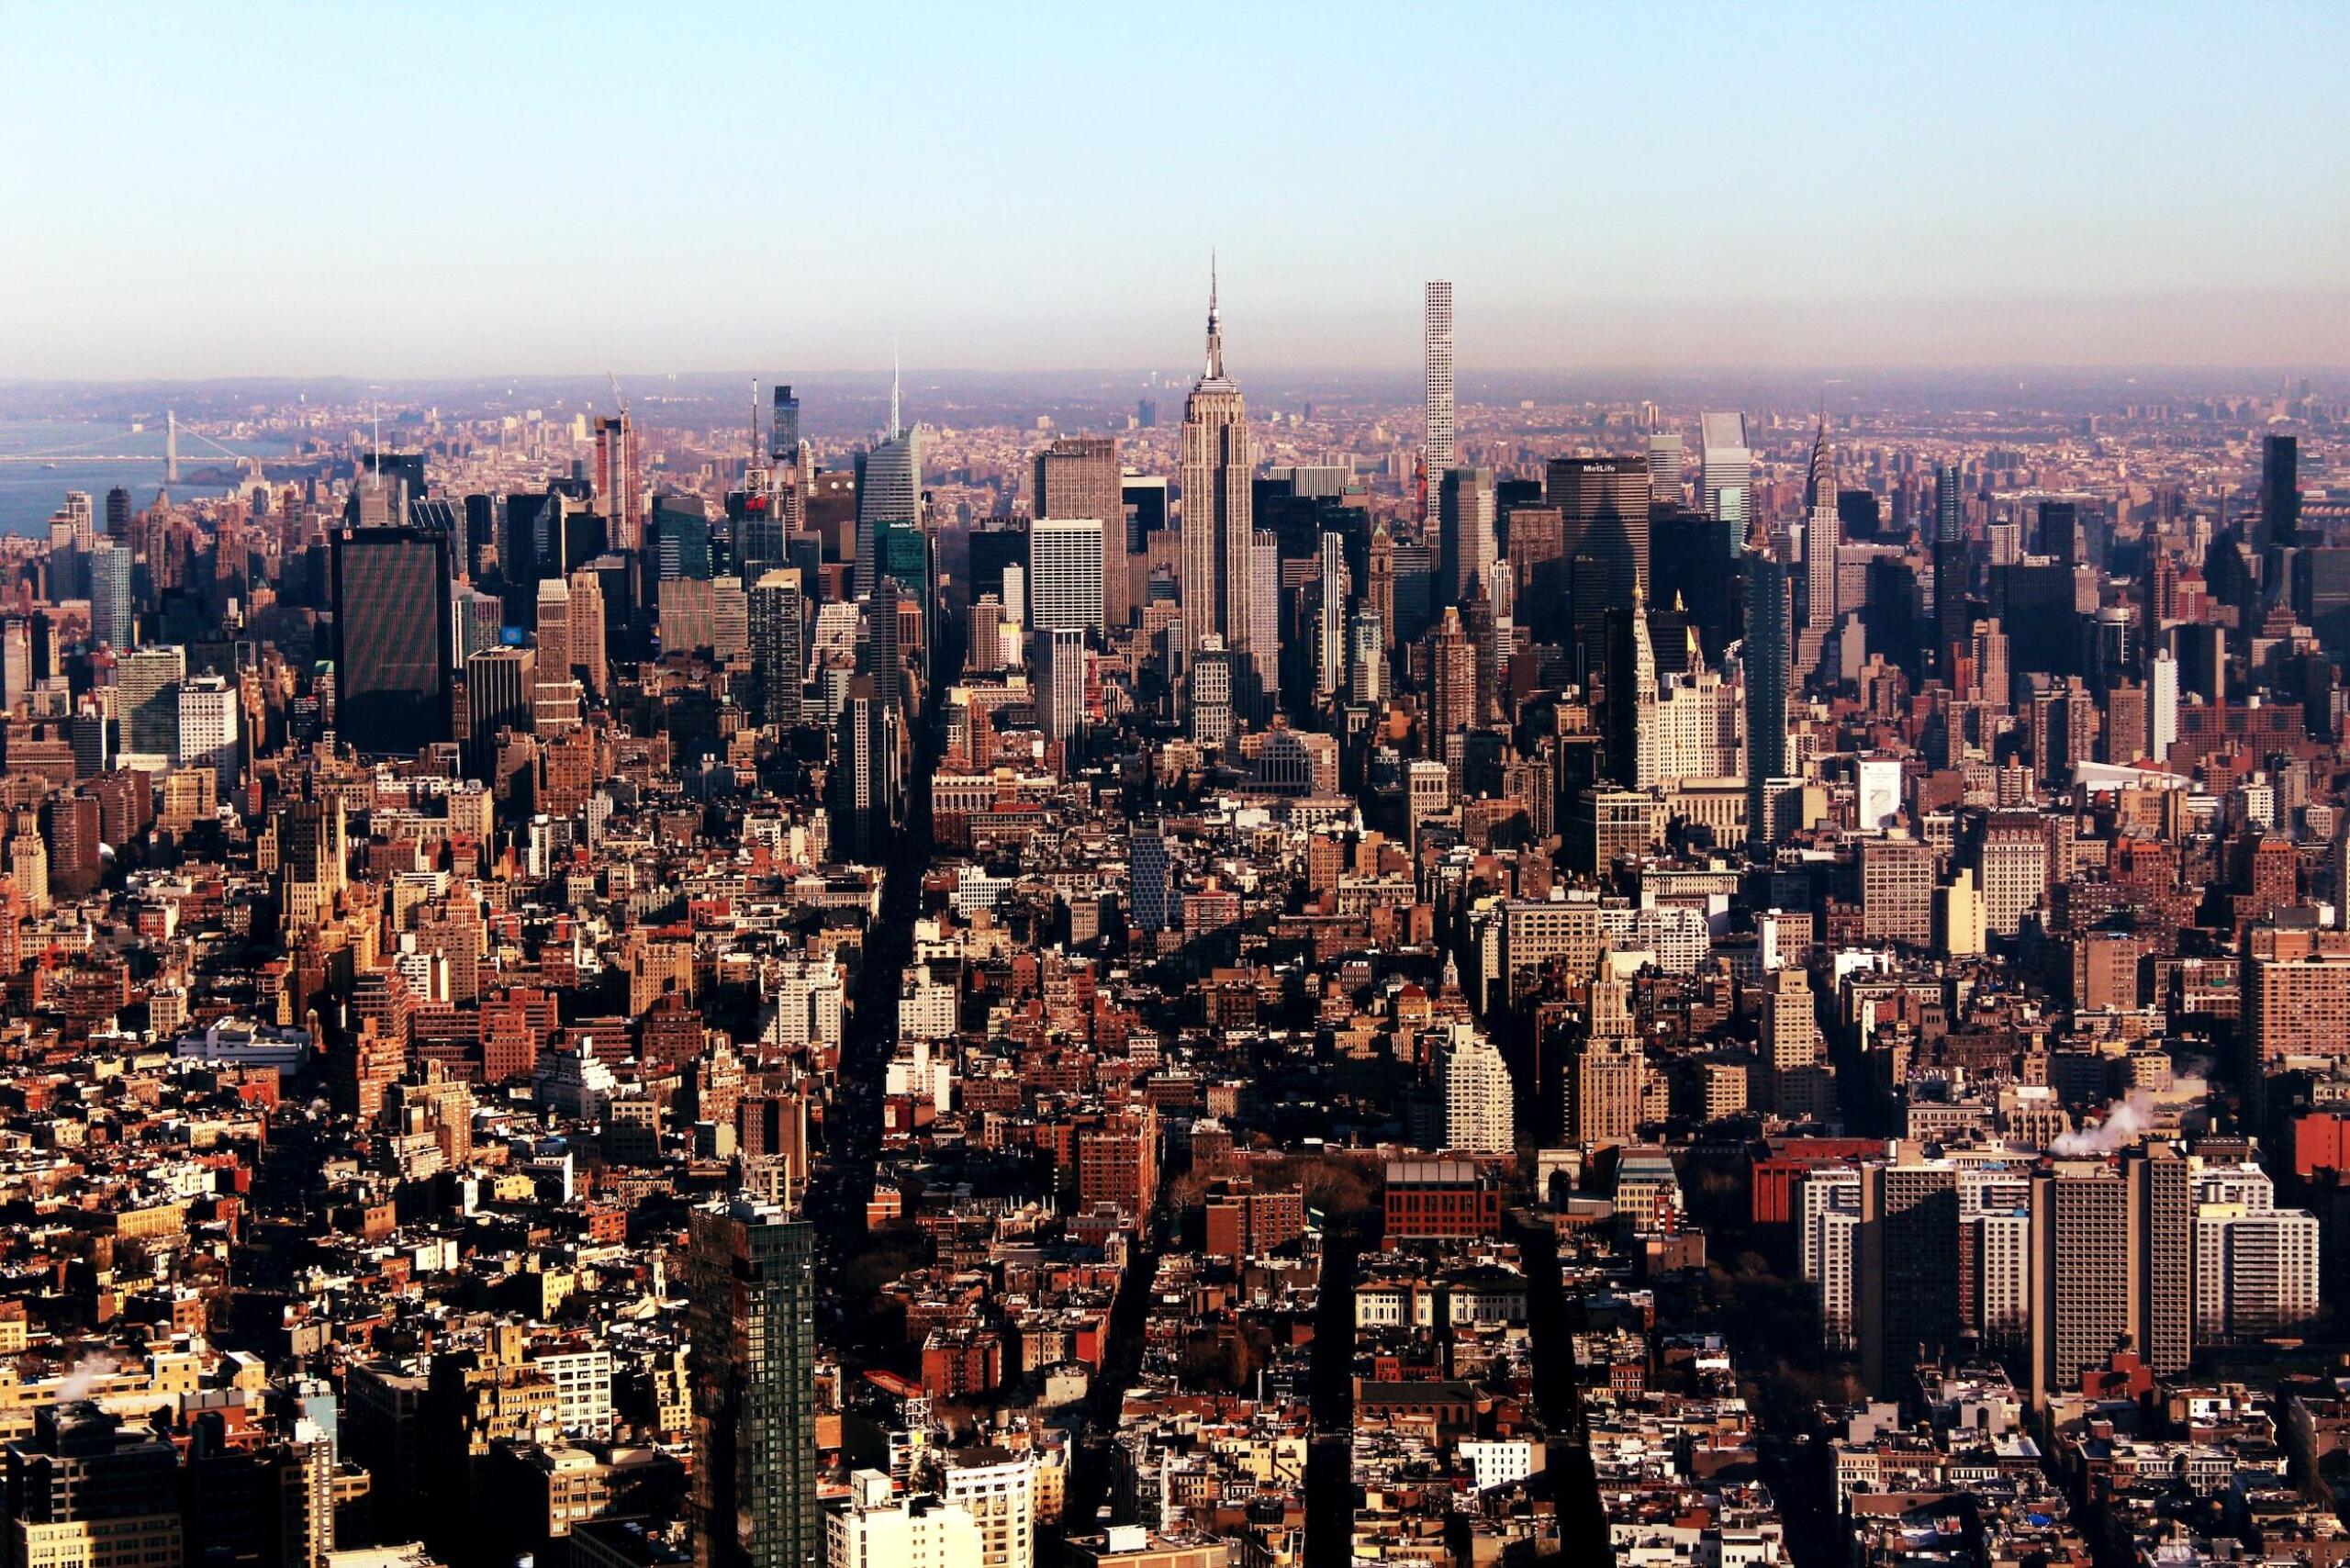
[[194, 190]]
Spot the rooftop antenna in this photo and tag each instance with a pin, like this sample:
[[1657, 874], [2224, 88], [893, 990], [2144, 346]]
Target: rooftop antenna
[[896, 428], [1215, 324], [376, 459], [755, 422]]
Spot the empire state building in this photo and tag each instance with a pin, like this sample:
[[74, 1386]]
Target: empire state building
[[1218, 460]]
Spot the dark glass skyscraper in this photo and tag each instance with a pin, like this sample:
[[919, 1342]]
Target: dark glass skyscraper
[[681, 538], [1466, 543], [2281, 493], [993, 549], [783, 437], [531, 548], [888, 490], [1604, 513], [751, 1298], [884, 649], [1950, 623], [2036, 606], [868, 785], [392, 623], [1695, 565], [481, 530], [778, 652], [1764, 657], [1604, 509], [2060, 533]]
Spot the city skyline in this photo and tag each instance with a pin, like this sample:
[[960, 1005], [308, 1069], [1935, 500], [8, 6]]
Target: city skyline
[[2009, 200], [1669, 887]]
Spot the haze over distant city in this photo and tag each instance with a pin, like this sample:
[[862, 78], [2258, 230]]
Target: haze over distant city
[[453, 190]]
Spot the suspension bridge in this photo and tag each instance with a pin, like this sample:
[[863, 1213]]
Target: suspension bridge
[[86, 452]]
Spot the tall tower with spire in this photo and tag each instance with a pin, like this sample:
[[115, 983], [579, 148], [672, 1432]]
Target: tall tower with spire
[[1823, 535], [888, 500], [1631, 688], [1218, 460]]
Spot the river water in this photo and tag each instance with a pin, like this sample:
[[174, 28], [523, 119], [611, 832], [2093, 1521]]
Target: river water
[[29, 492]]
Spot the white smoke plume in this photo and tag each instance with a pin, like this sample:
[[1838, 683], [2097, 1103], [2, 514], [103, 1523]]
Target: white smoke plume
[[84, 1377], [2128, 1120]]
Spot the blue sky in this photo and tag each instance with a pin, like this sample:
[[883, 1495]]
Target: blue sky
[[417, 189]]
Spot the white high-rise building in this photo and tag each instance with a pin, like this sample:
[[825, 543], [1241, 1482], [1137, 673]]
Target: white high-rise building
[[1060, 681], [1729, 466], [1366, 659], [28, 866], [998, 1489], [1479, 1105], [874, 1529], [2255, 1264], [1877, 792], [146, 699], [1664, 465], [808, 1003], [1437, 333], [208, 733], [1691, 730], [17, 662], [1064, 573], [1829, 1213], [1995, 1214], [81, 518], [111, 610], [583, 1386], [1264, 617], [1330, 644], [2162, 706], [925, 1005]]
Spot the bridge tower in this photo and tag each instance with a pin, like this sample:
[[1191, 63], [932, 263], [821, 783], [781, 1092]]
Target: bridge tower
[[171, 447]]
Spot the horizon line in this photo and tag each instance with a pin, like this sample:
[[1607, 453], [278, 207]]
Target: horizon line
[[882, 372]]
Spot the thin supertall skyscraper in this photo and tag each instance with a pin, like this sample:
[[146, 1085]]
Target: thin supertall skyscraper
[[1436, 334], [1763, 658], [1952, 622], [620, 479], [1218, 458]]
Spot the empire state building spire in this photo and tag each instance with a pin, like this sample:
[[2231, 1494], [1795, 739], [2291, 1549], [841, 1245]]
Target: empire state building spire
[[1218, 582], [1215, 328]]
